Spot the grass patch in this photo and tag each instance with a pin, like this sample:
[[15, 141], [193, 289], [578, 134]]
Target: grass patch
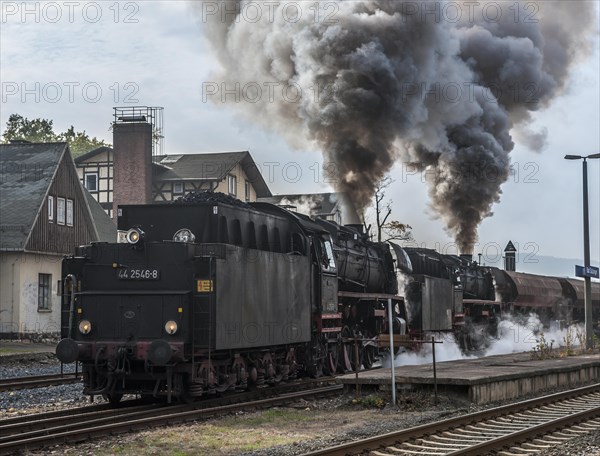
[[370, 401], [228, 436]]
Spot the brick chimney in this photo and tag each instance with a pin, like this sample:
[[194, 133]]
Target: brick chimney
[[132, 163]]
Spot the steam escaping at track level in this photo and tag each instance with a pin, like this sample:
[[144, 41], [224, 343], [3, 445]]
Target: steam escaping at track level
[[435, 84], [515, 334]]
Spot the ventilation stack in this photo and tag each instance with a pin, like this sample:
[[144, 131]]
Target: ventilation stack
[[510, 260]]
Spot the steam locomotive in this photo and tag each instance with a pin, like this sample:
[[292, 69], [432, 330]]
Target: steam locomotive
[[454, 293], [214, 294]]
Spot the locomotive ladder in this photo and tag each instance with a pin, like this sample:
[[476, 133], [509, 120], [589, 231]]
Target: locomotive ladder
[[199, 313]]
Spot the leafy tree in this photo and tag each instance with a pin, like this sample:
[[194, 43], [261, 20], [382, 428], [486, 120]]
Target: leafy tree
[[393, 229], [36, 130], [41, 130], [80, 142]]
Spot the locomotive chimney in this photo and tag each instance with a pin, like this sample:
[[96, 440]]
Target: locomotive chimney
[[510, 257], [467, 256], [133, 130]]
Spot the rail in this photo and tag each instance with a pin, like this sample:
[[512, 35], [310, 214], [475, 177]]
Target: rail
[[486, 431], [18, 383], [38, 431]]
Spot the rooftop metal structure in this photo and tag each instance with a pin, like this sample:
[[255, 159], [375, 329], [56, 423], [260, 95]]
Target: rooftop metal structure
[[148, 114]]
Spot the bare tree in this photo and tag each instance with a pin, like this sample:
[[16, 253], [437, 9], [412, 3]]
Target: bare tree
[[393, 229]]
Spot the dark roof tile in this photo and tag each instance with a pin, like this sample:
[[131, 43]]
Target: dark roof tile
[[210, 166], [26, 171]]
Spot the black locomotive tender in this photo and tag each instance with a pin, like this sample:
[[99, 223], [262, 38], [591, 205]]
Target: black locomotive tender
[[210, 294]]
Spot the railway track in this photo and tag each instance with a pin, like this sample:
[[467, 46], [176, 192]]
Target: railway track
[[518, 429], [83, 423], [17, 383]]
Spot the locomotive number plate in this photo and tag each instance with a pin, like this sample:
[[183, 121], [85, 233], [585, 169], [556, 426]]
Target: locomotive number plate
[[138, 274]]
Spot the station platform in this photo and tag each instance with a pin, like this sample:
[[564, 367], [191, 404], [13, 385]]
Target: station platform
[[9, 349], [488, 379]]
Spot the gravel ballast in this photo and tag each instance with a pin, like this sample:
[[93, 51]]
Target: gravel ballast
[[293, 430], [25, 401]]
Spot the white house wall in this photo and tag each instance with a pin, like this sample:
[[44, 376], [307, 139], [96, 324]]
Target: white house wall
[[241, 176], [19, 278], [9, 292]]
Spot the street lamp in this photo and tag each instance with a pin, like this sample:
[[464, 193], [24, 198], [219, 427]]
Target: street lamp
[[586, 250]]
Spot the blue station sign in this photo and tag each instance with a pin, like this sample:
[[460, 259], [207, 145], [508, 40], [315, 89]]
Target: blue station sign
[[587, 271]]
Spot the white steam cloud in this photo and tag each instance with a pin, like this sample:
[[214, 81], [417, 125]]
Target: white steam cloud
[[514, 336]]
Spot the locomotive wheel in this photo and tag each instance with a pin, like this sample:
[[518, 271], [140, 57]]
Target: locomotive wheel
[[113, 398], [348, 351], [332, 356], [368, 353], [368, 357], [330, 365], [316, 370], [186, 397]]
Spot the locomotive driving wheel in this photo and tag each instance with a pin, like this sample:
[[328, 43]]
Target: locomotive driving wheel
[[113, 398], [324, 357], [369, 351], [332, 356], [349, 352]]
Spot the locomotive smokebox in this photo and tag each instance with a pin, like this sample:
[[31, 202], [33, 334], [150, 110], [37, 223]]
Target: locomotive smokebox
[[467, 256]]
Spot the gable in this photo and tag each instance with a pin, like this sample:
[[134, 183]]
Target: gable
[[25, 176], [51, 236], [101, 154], [212, 167]]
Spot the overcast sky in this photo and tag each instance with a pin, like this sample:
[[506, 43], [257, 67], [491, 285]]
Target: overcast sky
[[73, 61]]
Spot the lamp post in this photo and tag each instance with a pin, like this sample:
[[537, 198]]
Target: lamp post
[[586, 249]]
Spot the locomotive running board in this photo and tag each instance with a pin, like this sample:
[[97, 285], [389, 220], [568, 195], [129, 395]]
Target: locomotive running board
[[355, 294]]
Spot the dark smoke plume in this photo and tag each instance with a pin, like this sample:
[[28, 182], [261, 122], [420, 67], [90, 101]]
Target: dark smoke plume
[[437, 84]]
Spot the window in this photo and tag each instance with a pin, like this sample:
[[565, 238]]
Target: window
[[44, 281], [335, 217], [177, 187], [330, 257], [90, 181], [69, 212], [232, 185], [247, 187], [51, 208], [60, 211]]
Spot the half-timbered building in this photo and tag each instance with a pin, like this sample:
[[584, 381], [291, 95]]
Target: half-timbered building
[[233, 173], [95, 172], [173, 176], [44, 214]]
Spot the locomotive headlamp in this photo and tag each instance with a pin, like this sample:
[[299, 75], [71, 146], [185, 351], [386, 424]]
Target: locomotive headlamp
[[85, 326], [171, 327], [184, 235], [134, 235]]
